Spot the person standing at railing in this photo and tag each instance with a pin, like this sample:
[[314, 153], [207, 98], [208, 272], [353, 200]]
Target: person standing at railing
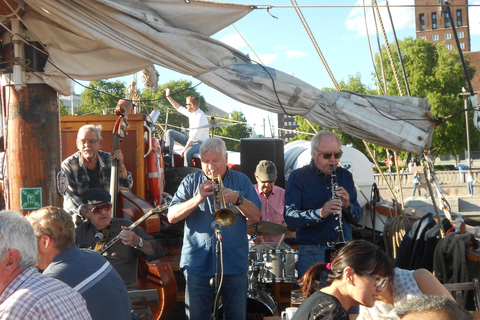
[[470, 181], [416, 183]]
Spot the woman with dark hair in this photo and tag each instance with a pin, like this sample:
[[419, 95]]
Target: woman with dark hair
[[358, 274]]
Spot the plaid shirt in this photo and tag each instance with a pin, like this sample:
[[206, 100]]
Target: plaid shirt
[[34, 296], [79, 182]]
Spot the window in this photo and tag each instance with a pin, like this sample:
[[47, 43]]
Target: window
[[434, 20], [459, 17], [421, 18], [461, 34], [449, 46], [447, 20], [435, 37], [448, 36], [423, 37], [462, 45]]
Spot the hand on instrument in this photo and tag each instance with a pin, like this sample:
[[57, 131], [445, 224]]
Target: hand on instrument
[[332, 206], [118, 155], [344, 196], [129, 237], [206, 188], [230, 196]]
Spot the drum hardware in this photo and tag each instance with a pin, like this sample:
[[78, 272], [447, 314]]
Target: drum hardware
[[268, 265], [266, 228], [260, 304]]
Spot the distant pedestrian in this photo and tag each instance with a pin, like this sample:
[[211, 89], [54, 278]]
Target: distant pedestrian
[[410, 166], [416, 183], [470, 181]]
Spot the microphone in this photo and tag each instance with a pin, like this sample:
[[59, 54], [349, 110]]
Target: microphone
[[98, 237], [216, 225]]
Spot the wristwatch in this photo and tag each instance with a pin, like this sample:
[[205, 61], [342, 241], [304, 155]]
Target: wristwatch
[[140, 242], [239, 200]]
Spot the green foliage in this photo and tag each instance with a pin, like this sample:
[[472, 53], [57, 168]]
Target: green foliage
[[237, 131], [63, 110], [101, 97]]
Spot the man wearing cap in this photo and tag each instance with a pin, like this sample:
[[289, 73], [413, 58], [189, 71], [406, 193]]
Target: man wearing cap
[[132, 245], [90, 167], [84, 270], [271, 196]]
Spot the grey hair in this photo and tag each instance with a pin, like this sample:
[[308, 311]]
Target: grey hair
[[438, 305], [91, 127], [17, 233], [216, 144], [316, 139]]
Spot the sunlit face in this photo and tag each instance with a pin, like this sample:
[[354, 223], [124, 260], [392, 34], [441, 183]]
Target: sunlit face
[[190, 106], [326, 144], [213, 163], [88, 145], [265, 186], [42, 262], [101, 219], [366, 291]]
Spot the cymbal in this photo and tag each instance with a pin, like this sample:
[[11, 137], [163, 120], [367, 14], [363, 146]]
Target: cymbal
[[266, 228]]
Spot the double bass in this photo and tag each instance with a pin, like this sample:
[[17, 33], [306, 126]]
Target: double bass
[[155, 274]]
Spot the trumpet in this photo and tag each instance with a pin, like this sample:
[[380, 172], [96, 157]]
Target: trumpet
[[222, 214], [338, 215]]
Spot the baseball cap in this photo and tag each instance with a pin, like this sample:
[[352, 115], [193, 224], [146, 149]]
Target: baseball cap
[[96, 196], [266, 171]]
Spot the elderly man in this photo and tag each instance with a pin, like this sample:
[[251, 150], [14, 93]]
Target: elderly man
[[196, 119], [194, 201], [431, 308], [309, 204], [24, 292], [122, 255], [90, 167], [84, 270], [271, 196]]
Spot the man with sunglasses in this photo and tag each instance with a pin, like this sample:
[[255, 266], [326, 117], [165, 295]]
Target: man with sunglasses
[[271, 196], [196, 119], [310, 207], [132, 245], [90, 167]]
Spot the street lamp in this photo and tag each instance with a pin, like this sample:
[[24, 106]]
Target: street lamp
[[465, 96]]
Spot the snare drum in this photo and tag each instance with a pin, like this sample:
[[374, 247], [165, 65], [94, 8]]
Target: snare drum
[[272, 264]]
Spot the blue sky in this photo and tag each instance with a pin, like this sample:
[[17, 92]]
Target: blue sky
[[283, 44]]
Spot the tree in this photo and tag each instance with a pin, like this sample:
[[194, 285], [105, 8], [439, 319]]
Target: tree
[[236, 132], [101, 97]]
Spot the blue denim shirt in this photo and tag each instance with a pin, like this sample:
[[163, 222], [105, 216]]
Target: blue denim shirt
[[199, 242], [308, 189]]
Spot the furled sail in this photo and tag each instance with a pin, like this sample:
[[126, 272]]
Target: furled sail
[[101, 39]]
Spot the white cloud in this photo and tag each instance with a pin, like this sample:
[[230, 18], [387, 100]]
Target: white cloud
[[403, 17], [295, 54], [234, 40], [474, 17], [267, 58]]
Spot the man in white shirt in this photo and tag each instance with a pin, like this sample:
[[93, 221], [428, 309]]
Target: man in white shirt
[[196, 119]]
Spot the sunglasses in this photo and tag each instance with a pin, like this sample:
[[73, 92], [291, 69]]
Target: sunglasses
[[328, 155], [379, 282], [98, 209]]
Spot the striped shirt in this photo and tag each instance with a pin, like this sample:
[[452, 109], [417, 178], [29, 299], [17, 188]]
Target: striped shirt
[[34, 296]]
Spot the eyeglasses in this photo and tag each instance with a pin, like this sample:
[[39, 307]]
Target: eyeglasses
[[379, 282], [91, 141], [328, 155], [98, 209]]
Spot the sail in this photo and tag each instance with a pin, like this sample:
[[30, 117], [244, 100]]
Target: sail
[[101, 39]]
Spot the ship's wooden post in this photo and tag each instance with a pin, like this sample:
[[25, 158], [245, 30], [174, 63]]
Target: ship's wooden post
[[33, 146]]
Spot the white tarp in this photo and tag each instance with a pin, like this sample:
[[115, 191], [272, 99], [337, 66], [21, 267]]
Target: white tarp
[[101, 39]]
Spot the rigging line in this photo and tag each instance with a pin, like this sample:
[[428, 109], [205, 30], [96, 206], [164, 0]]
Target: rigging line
[[370, 6], [389, 52], [314, 42], [377, 78], [407, 87], [380, 56], [248, 45]]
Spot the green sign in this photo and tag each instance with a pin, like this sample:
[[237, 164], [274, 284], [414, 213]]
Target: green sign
[[30, 198]]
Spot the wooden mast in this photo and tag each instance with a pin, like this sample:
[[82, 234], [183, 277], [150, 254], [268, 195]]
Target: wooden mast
[[32, 133]]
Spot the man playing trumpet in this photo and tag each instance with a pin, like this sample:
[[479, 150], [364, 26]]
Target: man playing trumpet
[[194, 201]]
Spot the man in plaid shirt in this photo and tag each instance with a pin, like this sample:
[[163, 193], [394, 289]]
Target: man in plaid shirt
[[24, 292], [91, 168]]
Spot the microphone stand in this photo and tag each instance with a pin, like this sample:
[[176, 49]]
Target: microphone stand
[[218, 276]]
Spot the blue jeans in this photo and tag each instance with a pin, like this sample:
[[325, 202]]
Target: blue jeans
[[199, 296], [470, 187], [171, 136], [415, 186], [308, 255]]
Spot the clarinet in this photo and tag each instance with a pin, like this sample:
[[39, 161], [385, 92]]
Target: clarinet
[[338, 215]]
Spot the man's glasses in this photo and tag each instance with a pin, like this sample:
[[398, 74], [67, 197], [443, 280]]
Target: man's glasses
[[91, 141], [98, 209], [328, 155], [379, 282]]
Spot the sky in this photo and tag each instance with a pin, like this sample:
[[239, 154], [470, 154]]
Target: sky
[[280, 41]]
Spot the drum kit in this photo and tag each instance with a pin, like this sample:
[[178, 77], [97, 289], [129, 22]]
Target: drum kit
[[268, 263]]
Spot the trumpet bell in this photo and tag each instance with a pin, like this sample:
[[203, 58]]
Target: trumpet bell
[[225, 216]]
